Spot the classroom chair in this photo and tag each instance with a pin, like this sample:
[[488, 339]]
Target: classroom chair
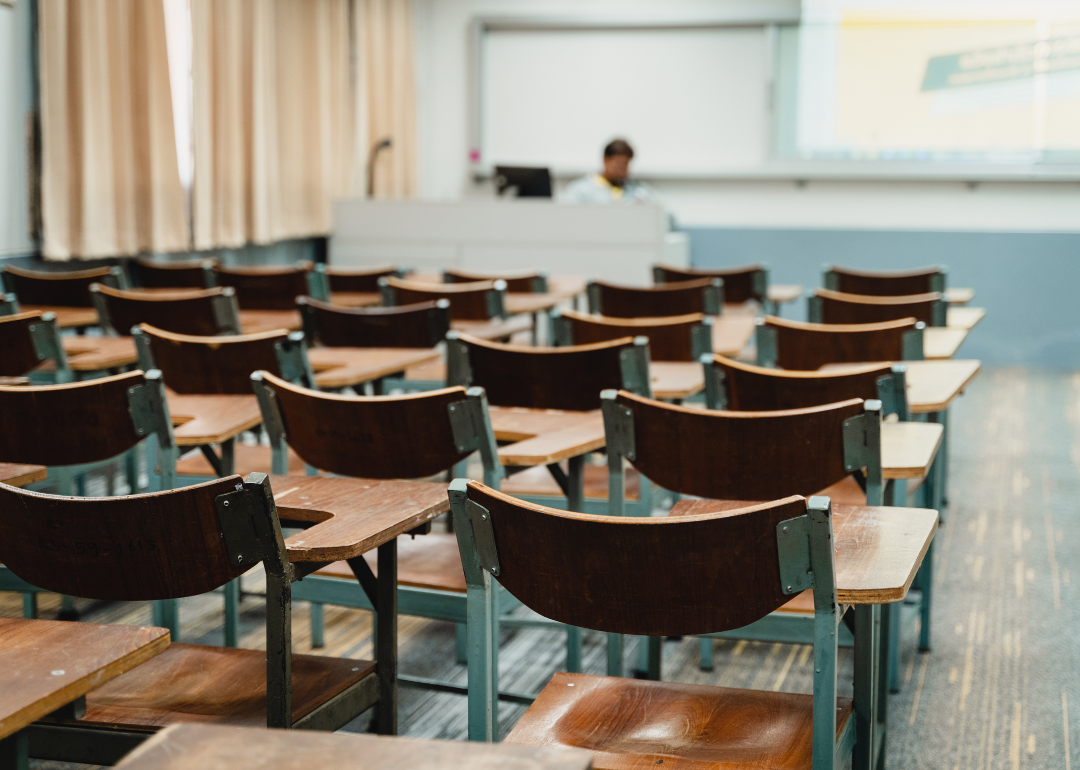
[[422, 325], [68, 288], [671, 338], [359, 280], [476, 301], [173, 274], [808, 346], [523, 281], [203, 312], [741, 284], [266, 287], [580, 569], [161, 547], [28, 340], [9, 304], [885, 283], [834, 307], [703, 295]]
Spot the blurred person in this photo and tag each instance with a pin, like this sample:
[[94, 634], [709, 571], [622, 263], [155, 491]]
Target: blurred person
[[613, 183]]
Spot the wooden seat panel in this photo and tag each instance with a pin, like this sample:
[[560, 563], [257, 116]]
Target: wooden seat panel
[[246, 459], [428, 561], [539, 481], [636, 724]]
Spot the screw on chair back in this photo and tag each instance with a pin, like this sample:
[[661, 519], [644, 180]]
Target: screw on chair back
[[834, 307], [741, 284], [522, 281], [671, 338], [422, 325], [70, 288], [806, 346], [475, 301], [181, 274], [568, 378], [385, 437], [266, 287], [885, 283], [221, 365], [28, 339], [703, 295], [355, 279], [743, 387], [205, 312]]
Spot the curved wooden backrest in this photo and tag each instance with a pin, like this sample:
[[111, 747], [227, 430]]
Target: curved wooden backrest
[[359, 279], [422, 325], [163, 545], [379, 437], [730, 455], [69, 288], [840, 308], [265, 287], [516, 281], [649, 576], [757, 389], [213, 365], [69, 424], [17, 352], [807, 346], [884, 283], [181, 274], [678, 298], [187, 311], [468, 301], [741, 284], [568, 378], [670, 338]]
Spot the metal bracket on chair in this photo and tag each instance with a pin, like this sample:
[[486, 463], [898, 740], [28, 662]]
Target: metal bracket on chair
[[143, 349], [937, 280], [466, 438], [856, 451], [45, 336], [862, 448], [939, 313], [9, 304], [102, 309], [766, 344], [714, 297], [701, 338], [458, 369], [912, 343], [149, 410], [540, 284], [116, 279], [813, 309], [793, 549], [892, 391], [272, 421], [318, 283], [592, 291], [483, 536], [496, 300], [227, 312], [619, 427], [240, 517], [829, 278], [438, 319], [562, 331], [293, 360], [634, 363], [761, 284], [387, 293], [471, 429], [715, 383]]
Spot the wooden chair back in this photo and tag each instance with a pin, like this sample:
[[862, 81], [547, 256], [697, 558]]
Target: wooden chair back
[[478, 301], [29, 339], [568, 378], [702, 295], [220, 365], [204, 312], [182, 274], [355, 279], [381, 437], [266, 287], [522, 281], [422, 325], [741, 284], [673, 338], [69, 288], [809, 346], [834, 307], [656, 577], [885, 283], [163, 545]]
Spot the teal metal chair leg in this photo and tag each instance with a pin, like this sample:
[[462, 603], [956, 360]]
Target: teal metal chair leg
[[131, 469], [615, 655], [890, 621], [654, 646], [573, 649], [67, 609], [925, 578], [318, 625], [706, 646], [483, 720], [166, 614], [232, 613], [30, 605], [15, 751], [462, 644]]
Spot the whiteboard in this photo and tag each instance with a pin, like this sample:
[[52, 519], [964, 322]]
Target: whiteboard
[[689, 100]]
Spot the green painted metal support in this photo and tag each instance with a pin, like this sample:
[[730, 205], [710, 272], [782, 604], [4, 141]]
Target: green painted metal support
[[232, 613], [318, 623]]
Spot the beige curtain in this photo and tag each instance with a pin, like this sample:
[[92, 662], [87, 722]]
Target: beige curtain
[[386, 96], [274, 115], [110, 185]]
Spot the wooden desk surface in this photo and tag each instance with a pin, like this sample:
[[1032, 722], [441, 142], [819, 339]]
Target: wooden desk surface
[[908, 448], [13, 382], [255, 321], [676, 380], [782, 293], [345, 367], [959, 296], [964, 317], [941, 342], [356, 298], [19, 475], [732, 331], [494, 329], [206, 747], [931, 385], [48, 664], [199, 420], [66, 317], [878, 549], [353, 516], [544, 436], [90, 354]]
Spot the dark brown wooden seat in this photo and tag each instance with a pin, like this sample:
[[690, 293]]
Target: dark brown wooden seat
[[175, 274], [547, 378], [29, 339], [671, 338], [834, 307], [422, 325], [885, 283], [356, 279], [68, 288], [808, 346], [478, 301], [747, 388], [164, 546], [741, 284], [430, 562], [204, 312], [266, 287], [703, 295], [524, 281]]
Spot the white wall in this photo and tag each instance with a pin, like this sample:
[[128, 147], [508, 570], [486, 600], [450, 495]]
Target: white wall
[[16, 99]]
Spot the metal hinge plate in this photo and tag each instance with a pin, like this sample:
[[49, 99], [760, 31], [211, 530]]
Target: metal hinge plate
[[240, 526], [483, 536], [856, 452], [793, 548]]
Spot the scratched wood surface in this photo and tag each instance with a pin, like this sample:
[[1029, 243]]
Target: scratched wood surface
[[19, 475]]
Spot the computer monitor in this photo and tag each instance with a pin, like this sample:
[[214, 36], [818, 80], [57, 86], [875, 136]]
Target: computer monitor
[[530, 182]]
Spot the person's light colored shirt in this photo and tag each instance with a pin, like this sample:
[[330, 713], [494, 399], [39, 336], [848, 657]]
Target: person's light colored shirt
[[597, 189]]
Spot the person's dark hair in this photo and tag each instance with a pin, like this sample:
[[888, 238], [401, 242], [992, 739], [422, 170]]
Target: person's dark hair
[[619, 147]]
